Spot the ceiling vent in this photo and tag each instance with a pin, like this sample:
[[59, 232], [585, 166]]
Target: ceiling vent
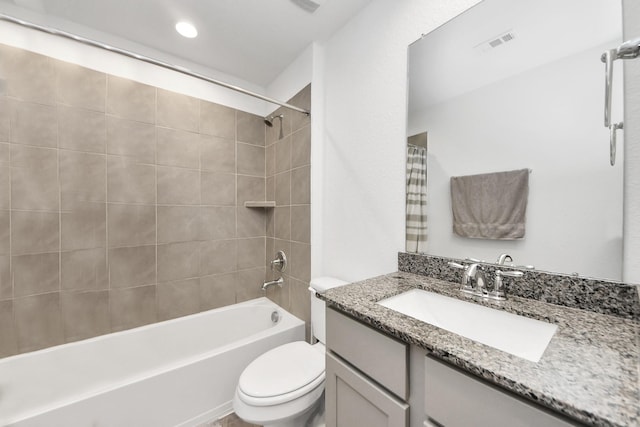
[[496, 41], [308, 5]]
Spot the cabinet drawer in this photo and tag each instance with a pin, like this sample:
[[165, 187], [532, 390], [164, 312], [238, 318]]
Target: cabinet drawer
[[381, 357], [456, 399]]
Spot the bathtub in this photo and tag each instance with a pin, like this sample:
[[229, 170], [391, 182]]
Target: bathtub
[[181, 372]]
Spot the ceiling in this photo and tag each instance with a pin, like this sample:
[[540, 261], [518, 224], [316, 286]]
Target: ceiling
[[455, 58], [253, 40]]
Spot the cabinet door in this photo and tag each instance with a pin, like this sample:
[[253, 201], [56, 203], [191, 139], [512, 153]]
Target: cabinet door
[[352, 400]]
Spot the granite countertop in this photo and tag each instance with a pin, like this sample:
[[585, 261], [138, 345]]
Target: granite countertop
[[590, 371]]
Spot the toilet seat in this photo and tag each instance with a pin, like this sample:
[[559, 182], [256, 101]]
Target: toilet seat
[[282, 374]]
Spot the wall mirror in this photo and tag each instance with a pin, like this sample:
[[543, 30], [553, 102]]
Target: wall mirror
[[515, 84]]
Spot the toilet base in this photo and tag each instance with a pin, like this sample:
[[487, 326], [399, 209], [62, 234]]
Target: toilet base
[[313, 417]]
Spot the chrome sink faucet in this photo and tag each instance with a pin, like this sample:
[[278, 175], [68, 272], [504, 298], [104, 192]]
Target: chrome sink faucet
[[504, 258], [473, 279]]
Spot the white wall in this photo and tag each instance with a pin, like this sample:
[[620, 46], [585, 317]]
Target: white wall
[[118, 65], [548, 119], [364, 78], [631, 10]]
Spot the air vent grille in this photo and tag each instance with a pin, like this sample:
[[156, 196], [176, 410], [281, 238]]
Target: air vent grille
[[496, 41]]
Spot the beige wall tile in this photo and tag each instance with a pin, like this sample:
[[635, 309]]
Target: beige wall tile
[[217, 291], [281, 127], [250, 188], [178, 111], [251, 253], [38, 321], [218, 222], [301, 147], [283, 155], [270, 219], [178, 261], [270, 191], [176, 299], [131, 100], [5, 119], [300, 301], [83, 225], [132, 266], [34, 124], [129, 181], [34, 232], [82, 130], [80, 87], [300, 260], [218, 189], [84, 270], [303, 100], [179, 224], [178, 148], [178, 186], [35, 274], [5, 232], [270, 160], [132, 139], [34, 178], [5, 176], [131, 225], [85, 314], [249, 284], [301, 186], [218, 257], [8, 341], [29, 76], [6, 287], [250, 160], [217, 120], [251, 222], [132, 307], [217, 154], [283, 189], [82, 176], [250, 128], [301, 223], [282, 223]]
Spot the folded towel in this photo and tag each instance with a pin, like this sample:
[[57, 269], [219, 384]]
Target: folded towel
[[491, 205]]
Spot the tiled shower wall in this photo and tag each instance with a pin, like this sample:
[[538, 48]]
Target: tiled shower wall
[[121, 204], [288, 172]]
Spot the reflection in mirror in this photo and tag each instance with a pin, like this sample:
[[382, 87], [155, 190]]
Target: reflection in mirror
[[516, 84]]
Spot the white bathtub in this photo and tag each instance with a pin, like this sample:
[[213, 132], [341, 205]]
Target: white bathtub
[[181, 372]]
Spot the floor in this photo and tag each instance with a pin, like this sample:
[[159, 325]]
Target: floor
[[231, 420]]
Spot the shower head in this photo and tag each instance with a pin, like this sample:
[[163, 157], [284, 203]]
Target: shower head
[[269, 120]]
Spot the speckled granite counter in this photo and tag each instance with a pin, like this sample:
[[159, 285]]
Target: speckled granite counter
[[590, 371]]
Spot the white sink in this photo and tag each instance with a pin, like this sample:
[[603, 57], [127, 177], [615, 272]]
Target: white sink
[[518, 335]]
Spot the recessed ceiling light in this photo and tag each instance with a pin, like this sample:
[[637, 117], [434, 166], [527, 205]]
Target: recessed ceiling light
[[186, 29]]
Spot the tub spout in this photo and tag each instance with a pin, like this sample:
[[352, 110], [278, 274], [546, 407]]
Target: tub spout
[[278, 282]]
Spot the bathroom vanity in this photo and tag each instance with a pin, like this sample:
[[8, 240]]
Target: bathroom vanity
[[385, 368]]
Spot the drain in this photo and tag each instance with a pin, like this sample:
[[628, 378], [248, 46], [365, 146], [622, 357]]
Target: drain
[[275, 317]]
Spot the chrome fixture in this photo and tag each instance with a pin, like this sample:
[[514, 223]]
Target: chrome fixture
[[278, 282], [504, 257], [280, 263], [498, 287], [127, 53], [627, 50], [269, 122], [275, 317], [473, 279]]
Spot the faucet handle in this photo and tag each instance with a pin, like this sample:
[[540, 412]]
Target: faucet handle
[[456, 265], [498, 287]]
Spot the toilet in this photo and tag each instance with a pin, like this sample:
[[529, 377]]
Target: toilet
[[284, 387]]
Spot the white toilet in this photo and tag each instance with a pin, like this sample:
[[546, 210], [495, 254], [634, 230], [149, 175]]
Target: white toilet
[[284, 387]]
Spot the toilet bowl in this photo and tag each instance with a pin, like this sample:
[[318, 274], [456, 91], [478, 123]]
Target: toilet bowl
[[284, 387]]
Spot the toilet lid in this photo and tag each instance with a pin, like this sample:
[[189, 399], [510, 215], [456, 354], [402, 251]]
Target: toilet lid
[[286, 369]]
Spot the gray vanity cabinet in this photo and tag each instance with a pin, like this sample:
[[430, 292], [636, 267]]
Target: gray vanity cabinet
[[366, 376], [456, 399]]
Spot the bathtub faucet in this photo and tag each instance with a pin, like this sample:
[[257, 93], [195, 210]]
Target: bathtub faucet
[[278, 282]]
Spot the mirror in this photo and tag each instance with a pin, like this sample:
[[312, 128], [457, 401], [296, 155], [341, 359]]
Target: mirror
[[518, 84]]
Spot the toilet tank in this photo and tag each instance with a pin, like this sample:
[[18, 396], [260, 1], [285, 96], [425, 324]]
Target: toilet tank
[[319, 286]]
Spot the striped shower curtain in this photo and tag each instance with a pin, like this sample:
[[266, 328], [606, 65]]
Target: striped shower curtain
[[416, 228]]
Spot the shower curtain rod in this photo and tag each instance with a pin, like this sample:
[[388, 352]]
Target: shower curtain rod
[[146, 59]]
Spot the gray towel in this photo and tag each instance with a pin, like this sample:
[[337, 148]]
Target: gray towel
[[490, 205]]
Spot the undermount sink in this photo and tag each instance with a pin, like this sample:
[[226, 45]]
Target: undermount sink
[[518, 335]]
